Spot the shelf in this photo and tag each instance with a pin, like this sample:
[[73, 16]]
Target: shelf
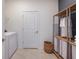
[[66, 39], [73, 8], [66, 11], [61, 13]]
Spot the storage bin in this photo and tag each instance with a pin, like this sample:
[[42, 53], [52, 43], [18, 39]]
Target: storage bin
[[48, 47]]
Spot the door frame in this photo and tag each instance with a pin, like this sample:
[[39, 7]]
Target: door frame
[[23, 28]]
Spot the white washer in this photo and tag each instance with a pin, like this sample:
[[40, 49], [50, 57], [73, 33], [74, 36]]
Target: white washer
[[10, 44]]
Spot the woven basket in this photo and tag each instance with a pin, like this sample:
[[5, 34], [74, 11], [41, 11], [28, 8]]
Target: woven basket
[[48, 47]]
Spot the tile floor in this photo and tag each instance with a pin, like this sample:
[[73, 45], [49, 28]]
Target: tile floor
[[32, 54]]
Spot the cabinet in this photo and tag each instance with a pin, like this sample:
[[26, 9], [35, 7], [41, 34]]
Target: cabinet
[[5, 47], [62, 49], [67, 48], [10, 44], [3, 50]]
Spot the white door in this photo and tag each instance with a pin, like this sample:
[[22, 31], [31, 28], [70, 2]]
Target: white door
[[31, 29]]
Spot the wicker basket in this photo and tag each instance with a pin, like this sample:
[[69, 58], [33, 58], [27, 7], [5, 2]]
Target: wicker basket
[[48, 47]]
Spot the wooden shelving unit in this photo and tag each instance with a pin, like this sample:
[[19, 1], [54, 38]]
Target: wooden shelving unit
[[65, 39], [64, 13]]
